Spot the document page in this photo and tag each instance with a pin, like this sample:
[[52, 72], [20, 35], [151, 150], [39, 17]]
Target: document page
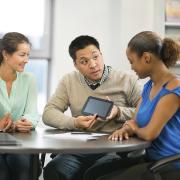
[[83, 136]]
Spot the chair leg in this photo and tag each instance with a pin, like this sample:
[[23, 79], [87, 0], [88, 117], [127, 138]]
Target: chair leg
[[43, 157], [34, 167], [157, 176]]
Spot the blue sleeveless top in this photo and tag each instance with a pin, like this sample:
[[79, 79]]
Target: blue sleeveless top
[[168, 142]]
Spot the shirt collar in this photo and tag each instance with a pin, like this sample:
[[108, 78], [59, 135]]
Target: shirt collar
[[105, 75]]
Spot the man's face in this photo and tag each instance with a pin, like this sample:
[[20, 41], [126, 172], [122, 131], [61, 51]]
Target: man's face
[[89, 62]]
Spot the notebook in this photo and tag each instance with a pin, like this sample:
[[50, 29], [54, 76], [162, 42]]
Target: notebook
[[8, 140]]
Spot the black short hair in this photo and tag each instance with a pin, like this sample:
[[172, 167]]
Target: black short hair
[[81, 42]]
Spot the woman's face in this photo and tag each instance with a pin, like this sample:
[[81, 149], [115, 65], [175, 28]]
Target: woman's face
[[139, 64], [19, 58]]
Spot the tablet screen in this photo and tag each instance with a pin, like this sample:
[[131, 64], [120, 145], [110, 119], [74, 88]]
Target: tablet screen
[[98, 106]]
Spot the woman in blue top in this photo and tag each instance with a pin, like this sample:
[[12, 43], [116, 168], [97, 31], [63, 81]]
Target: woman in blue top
[[157, 116], [18, 101]]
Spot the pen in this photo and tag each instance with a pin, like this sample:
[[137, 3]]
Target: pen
[[80, 132]]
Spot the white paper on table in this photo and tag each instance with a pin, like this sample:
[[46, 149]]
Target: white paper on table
[[83, 136]]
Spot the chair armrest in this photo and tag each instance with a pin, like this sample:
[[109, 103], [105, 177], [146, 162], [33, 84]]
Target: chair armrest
[[155, 167]]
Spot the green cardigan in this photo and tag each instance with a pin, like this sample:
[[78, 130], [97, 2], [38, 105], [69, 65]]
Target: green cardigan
[[22, 101]]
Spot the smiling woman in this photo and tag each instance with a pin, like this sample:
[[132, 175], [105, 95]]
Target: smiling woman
[[37, 27], [18, 100]]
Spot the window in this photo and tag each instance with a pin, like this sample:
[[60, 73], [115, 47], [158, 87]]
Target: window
[[32, 18], [40, 69]]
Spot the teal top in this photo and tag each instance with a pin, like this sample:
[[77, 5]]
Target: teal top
[[22, 101]]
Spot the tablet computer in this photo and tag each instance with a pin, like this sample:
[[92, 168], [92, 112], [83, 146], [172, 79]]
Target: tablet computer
[[94, 105], [8, 140]]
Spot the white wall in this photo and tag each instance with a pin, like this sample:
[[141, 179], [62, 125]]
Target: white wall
[[112, 22]]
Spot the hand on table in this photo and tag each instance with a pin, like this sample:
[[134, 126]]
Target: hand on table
[[128, 129], [6, 123], [23, 125], [119, 135]]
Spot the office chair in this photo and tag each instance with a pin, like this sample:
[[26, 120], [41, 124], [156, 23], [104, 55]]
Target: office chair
[[157, 167], [153, 171]]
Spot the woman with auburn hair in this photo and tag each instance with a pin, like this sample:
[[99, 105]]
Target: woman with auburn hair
[[18, 101]]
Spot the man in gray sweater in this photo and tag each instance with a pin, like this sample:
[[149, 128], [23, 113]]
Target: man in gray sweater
[[92, 78]]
